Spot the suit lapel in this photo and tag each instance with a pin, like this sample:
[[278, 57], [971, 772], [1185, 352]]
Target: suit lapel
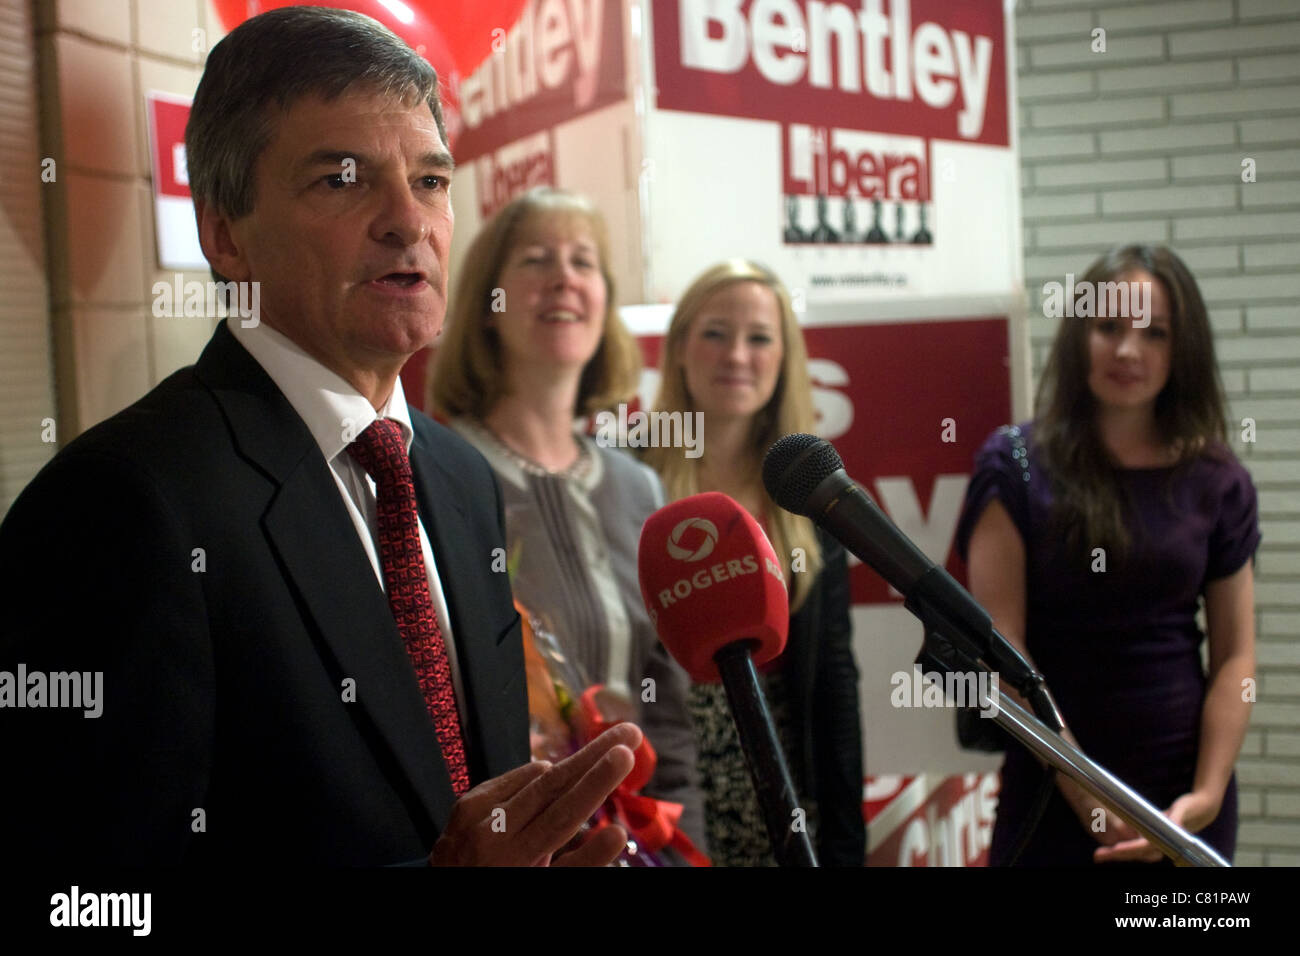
[[308, 527]]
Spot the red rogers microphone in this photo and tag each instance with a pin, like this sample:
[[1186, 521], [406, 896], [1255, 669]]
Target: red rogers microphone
[[716, 594]]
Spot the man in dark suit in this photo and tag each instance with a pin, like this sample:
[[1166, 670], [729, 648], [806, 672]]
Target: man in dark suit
[[295, 664]]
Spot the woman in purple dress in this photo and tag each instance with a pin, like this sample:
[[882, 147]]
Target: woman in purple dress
[[1092, 533]]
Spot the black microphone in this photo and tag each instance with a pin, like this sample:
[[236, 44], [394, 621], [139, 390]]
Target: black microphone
[[805, 475]]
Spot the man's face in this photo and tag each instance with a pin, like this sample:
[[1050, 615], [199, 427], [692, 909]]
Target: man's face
[[353, 267]]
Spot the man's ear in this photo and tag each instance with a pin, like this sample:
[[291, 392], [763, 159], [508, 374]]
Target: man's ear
[[218, 242]]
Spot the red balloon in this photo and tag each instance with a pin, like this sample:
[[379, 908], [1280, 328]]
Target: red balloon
[[405, 19], [234, 12], [471, 26]]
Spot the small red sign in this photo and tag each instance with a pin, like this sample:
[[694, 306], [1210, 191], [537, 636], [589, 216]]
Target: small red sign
[[167, 119]]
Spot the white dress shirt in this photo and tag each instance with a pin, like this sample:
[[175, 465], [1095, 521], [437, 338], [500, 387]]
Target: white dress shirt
[[336, 413]]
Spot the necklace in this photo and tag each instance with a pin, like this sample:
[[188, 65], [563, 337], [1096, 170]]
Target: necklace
[[579, 469]]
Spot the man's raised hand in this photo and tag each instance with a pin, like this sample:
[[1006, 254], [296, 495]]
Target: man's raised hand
[[523, 817]]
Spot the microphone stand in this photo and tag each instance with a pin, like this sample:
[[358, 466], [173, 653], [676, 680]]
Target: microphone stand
[[767, 768], [945, 655]]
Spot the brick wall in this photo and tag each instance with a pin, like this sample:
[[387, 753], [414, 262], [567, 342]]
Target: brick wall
[[98, 59], [1145, 142]]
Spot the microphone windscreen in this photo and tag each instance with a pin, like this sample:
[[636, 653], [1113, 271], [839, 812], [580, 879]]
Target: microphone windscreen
[[794, 466], [709, 578]]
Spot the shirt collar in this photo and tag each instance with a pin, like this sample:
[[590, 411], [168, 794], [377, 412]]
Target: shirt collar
[[333, 411]]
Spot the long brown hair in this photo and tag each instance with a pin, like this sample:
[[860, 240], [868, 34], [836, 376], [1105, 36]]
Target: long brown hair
[[789, 410], [468, 375], [1189, 415]]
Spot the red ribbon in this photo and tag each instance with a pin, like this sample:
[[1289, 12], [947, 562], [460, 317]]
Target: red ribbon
[[653, 823]]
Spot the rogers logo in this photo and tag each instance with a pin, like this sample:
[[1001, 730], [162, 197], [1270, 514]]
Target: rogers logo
[[701, 550]]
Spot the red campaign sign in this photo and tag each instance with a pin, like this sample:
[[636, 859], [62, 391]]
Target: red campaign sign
[[167, 119], [927, 68], [929, 821], [559, 61], [896, 393]]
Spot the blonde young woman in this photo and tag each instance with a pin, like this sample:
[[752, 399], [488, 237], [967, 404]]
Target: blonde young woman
[[1092, 533], [734, 352], [533, 342]]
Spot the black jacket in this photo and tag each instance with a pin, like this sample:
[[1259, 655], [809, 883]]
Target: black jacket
[[823, 681], [195, 549]]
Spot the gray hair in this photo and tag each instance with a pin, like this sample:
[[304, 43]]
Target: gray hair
[[279, 57]]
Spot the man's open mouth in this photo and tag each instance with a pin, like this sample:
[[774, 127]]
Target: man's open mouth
[[400, 278]]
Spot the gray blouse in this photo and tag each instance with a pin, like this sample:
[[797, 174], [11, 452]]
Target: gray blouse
[[572, 538]]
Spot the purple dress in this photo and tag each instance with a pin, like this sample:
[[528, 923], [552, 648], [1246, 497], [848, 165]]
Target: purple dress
[[1120, 649]]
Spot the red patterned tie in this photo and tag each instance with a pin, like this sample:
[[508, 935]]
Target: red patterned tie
[[381, 451]]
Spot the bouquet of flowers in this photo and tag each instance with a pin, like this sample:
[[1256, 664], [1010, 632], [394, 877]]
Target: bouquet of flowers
[[565, 713]]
